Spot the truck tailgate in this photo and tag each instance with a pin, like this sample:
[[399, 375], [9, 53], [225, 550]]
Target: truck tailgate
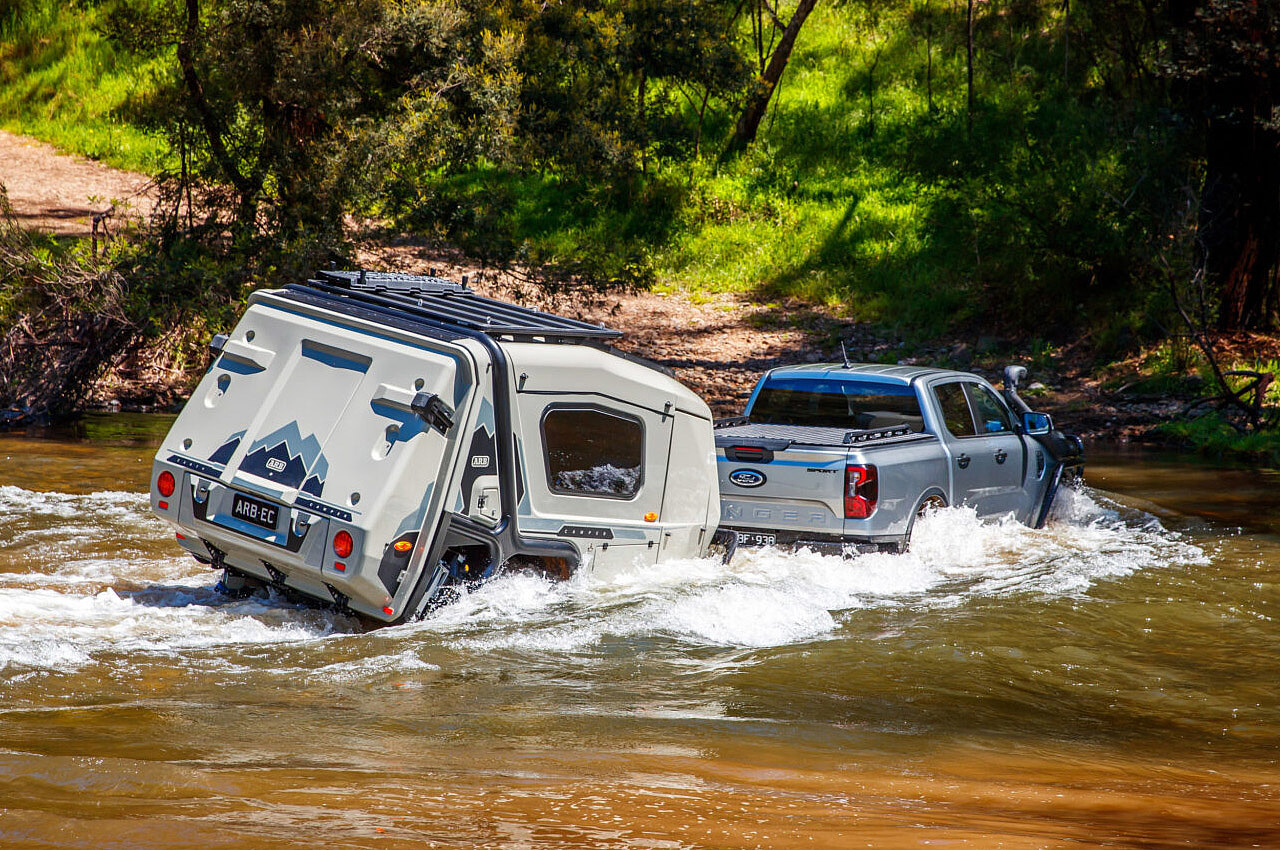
[[774, 483]]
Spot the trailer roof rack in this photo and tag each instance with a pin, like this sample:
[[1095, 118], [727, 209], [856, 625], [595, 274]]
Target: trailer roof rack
[[420, 296]]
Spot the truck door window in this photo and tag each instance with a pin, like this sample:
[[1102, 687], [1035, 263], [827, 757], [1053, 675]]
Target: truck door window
[[592, 452], [992, 416], [955, 410], [837, 404]]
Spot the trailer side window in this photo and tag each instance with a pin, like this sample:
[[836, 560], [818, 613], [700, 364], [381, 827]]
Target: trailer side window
[[593, 452]]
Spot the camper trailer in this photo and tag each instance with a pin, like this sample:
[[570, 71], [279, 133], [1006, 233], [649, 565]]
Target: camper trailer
[[369, 440]]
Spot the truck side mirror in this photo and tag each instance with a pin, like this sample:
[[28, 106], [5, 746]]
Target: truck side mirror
[[1035, 424]]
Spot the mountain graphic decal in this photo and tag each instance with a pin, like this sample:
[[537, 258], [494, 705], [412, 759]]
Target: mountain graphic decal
[[224, 452], [285, 456]]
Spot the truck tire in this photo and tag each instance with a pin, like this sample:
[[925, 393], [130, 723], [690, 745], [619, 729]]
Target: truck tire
[[932, 500]]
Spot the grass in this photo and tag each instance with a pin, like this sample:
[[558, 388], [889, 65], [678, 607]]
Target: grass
[[860, 194], [63, 81], [1212, 435], [900, 215]]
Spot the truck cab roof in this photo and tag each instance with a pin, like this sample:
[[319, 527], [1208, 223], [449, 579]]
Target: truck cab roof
[[864, 371]]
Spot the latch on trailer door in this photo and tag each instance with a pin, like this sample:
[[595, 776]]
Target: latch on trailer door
[[488, 504], [432, 411]]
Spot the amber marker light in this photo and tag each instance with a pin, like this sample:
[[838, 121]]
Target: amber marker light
[[651, 517], [402, 546]]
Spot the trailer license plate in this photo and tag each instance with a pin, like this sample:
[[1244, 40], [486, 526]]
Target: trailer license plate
[[251, 510], [748, 539]]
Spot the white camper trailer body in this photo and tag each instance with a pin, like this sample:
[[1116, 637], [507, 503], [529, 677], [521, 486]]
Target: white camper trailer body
[[366, 440]]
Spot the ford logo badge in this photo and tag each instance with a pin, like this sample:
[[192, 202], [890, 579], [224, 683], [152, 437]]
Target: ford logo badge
[[747, 477]]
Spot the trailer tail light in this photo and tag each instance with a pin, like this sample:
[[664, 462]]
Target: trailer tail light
[[861, 490], [343, 544], [165, 484]]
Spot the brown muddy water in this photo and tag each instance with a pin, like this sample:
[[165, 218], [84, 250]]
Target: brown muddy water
[[1110, 680]]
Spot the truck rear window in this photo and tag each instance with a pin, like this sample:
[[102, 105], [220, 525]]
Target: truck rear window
[[837, 404]]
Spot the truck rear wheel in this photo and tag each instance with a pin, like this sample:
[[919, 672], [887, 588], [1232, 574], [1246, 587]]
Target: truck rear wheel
[[931, 502]]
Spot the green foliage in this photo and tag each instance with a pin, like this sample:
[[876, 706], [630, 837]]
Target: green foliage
[[1211, 434], [63, 81], [1042, 219], [581, 141]]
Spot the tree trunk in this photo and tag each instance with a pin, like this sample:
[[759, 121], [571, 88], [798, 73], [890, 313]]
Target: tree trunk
[[1066, 42], [195, 92], [758, 103], [928, 46], [1239, 225], [969, 60], [644, 147]]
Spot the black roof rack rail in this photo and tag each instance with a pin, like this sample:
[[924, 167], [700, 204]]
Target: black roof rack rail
[[451, 303]]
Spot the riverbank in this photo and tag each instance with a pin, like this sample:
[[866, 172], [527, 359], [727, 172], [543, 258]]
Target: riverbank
[[718, 343]]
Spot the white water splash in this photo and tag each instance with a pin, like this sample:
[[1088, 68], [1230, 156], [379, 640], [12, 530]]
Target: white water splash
[[767, 597], [64, 606]]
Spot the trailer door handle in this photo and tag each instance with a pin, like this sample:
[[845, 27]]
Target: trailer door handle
[[1001, 456], [962, 461]]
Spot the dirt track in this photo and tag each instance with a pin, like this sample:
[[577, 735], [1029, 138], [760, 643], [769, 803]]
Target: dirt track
[[57, 193], [718, 346]]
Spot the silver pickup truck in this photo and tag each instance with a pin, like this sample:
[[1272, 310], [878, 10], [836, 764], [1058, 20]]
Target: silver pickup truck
[[840, 457]]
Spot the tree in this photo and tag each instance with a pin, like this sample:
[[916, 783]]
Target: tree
[[1227, 57], [758, 101], [968, 23], [285, 111]]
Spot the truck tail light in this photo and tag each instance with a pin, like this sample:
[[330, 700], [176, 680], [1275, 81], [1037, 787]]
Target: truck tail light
[[166, 484], [861, 490]]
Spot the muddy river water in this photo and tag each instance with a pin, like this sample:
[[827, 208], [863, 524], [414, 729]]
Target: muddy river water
[[1110, 680]]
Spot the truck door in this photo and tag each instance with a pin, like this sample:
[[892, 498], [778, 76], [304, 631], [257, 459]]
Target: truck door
[[987, 462]]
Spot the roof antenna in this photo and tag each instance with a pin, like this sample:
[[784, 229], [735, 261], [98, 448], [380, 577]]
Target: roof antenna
[[845, 354]]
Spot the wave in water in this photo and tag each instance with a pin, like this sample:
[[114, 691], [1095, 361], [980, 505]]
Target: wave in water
[[66, 602]]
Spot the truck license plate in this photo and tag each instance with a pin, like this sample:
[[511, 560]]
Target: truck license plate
[[251, 510], [751, 539]]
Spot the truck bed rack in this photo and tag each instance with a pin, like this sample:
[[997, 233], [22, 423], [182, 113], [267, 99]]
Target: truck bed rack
[[739, 431], [417, 297]]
